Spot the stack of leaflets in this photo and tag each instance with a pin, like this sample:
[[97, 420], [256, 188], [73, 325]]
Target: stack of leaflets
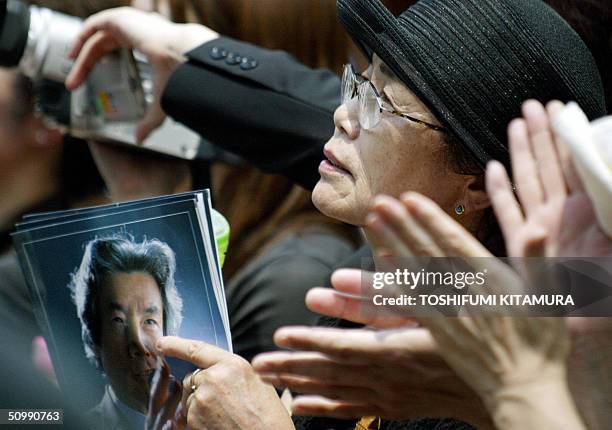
[[106, 282]]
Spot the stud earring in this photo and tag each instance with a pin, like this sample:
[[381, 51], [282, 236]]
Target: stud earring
[[459, 209]]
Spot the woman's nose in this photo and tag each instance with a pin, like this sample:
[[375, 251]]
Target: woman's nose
[[346, 118]]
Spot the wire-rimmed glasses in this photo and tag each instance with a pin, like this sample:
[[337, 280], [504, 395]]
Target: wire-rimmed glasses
[[371, 104]]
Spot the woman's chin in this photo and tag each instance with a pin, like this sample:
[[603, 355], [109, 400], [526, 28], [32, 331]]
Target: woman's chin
[[333, 204]]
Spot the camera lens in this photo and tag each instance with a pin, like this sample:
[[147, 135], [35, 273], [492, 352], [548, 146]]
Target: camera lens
[[13, 31]]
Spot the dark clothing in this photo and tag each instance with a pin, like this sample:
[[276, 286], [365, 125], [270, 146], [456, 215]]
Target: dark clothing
[[16, 310], [269, 292], [5, 241], [278, 122], [277, 115]]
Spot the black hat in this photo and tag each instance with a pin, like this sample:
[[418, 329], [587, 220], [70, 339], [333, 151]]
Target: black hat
[[473, 62]]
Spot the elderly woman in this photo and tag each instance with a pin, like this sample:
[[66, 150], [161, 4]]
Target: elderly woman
[[544, 225], [445, 79]]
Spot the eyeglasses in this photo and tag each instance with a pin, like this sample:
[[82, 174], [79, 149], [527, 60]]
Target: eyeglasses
[[371, 104]]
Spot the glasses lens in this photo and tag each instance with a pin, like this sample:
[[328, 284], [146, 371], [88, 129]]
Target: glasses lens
[[369, 112], [348, 84]]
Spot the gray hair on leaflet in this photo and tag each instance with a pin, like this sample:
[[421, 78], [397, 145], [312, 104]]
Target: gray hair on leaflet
[[119, 253]]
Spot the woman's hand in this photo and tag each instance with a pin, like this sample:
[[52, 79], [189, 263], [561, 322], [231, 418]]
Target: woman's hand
[[347, 301], [395, 374], [556, 206], [162, 41], [400, 232], [553, 203], [228, 393], [513, 362], [506, 360]]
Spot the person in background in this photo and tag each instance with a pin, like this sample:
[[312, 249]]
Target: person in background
[[40, 170], [30, 155], [280, 244]]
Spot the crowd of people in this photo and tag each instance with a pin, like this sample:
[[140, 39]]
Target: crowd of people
[[440, 137]]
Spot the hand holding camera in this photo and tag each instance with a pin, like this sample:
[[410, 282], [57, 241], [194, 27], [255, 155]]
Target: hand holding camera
[[115, 90], [126, 27]]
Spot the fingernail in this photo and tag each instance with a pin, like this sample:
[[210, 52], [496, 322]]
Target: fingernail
[[531, 106], [372, 220], [158, 345], [68, 84], [280, 336], [393, 206], [382, 200], [270, 378]]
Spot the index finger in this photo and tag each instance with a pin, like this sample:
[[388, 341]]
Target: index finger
[[91, 26], [357, 309], [543, 149], [96, 47], [199, 353]]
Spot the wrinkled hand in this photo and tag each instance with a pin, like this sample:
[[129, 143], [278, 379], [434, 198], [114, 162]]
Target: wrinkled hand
[[161, 41], [554, 208], [494, 344], [559, 209], [131, 175], [516, 365], [395, 374], [229, 394], [397, 236], [399, 233], [346, 301], [508, 357]]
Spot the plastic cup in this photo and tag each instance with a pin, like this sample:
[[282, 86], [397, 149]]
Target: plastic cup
[[222, 234]]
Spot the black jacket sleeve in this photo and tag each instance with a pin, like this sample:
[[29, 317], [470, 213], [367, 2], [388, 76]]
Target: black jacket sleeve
[[262, 105]]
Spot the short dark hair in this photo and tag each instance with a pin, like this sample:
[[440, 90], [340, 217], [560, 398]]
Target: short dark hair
[[109, 255]]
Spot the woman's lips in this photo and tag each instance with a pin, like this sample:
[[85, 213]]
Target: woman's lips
[[332, 165]]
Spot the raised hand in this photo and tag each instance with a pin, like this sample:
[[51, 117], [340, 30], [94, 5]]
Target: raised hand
[[554, 208], [161, 41], [395, 374]]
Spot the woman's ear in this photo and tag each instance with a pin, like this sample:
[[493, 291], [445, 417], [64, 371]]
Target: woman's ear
[[475, 194]]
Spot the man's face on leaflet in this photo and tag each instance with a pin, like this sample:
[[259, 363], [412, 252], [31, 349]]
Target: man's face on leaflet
[[131, 321]]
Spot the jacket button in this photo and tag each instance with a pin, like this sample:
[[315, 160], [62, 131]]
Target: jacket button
[[233, 59], [248, 63], [217, 53]]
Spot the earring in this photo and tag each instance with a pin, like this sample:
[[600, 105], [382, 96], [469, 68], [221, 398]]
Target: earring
[[459, 209]]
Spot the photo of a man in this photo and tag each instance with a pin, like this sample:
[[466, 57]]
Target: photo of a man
[[126, 298]]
